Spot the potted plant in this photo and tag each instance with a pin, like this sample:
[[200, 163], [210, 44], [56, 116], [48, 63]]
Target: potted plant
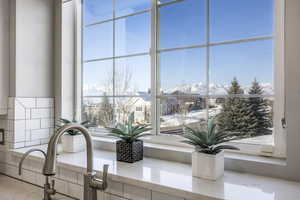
[[73, 140], [129, 148], [208, 157]]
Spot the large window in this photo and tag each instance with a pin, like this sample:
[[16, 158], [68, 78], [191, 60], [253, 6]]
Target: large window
[[180, 62]]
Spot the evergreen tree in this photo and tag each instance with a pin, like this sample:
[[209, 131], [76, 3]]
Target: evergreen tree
[[259, 113], [234, 116]]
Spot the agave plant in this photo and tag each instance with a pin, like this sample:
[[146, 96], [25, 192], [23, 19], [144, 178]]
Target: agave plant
[[129, 132], [61, 122], [210, 141]]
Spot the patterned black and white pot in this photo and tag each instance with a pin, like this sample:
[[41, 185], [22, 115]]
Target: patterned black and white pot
[[129, 151]]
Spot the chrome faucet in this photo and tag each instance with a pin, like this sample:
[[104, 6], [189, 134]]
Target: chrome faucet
[[48, 188], [91, 182]]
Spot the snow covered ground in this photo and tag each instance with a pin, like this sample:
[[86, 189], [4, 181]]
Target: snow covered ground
[[195, 116]]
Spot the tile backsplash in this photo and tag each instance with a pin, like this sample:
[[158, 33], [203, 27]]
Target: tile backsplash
[[30, 121]]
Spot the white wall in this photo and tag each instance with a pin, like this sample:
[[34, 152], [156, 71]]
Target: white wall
[[4, 54], [32, 69], [292, 70]]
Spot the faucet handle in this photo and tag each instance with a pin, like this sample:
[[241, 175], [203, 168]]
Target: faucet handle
[[104, 175], [53, 183]]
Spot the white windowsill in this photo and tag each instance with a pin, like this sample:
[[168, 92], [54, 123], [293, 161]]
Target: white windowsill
[[175, 178], [182, 154]]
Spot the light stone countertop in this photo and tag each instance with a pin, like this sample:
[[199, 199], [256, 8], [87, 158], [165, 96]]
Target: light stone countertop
[[12, 189], [176, 178]]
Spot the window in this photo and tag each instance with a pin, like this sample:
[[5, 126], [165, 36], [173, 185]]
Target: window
[[181, 62]]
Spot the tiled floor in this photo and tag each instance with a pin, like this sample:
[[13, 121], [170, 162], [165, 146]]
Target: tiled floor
[[12, 189]]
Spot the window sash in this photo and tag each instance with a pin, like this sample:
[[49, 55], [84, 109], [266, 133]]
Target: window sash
[[155, 51]]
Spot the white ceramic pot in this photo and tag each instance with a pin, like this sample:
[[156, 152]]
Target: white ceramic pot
[[73, 143], [208, 166]]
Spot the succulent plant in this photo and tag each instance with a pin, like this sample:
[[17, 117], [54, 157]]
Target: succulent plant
[[128, 132], [210, 141], [61, 122]]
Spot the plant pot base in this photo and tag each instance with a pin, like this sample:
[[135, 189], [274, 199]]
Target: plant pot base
[[129, 152], [208, 166], [73, 143]]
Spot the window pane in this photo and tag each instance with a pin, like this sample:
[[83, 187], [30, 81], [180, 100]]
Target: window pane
[[133, 34], [98, 41], [97, 10], [179, 111], [127, 7], [236, 19], [245, 62], [141, 106], [182, 24], [99, 111], [183, 72], [132, 75], [247, 117], [98, 78]]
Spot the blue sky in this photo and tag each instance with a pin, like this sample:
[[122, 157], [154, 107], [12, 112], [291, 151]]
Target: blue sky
[[182, 24]]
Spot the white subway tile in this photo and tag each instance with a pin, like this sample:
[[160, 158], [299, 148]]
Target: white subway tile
[[11, 171], [39, 134], [80, 178], [10, 125], [29, 176], [41, 113], [164, 196], [2, 167], [36, 166], [47, 123], [33, 124], [27, 102], [115, 188], [44, 103], [19, 130], [9, 136], [61, 186], [40, 178], [68, 175], [17, 145], [27, 135], [75, 190], [19, 112], [32, 143], [136, 193], [27, 113]]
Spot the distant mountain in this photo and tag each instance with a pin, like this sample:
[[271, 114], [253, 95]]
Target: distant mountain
[[195, 88], [93, 90], [215, 89]]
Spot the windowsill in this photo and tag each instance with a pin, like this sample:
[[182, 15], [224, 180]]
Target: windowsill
[[176, 178], [182, 154]]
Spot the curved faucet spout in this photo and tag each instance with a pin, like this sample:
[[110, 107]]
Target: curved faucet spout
[[50, 163], [25, 155]]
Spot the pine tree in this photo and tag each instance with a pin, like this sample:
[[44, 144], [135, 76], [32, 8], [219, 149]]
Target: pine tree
[[259, 113], [234, 116]]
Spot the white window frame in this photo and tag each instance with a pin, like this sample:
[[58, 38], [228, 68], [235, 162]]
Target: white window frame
[[276, 150]]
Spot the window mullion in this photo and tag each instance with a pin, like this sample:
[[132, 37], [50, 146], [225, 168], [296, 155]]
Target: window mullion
[[207, 55], [154, 68], [113, 60]]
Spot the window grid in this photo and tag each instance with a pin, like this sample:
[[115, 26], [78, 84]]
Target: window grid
[[155, 51]]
